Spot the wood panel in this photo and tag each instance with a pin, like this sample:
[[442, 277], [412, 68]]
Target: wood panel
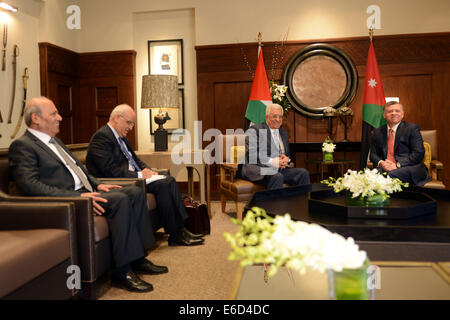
[[413, 67], [86, 87], [59, 82]]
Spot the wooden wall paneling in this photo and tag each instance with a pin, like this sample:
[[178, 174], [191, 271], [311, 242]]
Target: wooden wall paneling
[[59, 82], [230, 104], [98, 97], [414, 67], [79, 83]]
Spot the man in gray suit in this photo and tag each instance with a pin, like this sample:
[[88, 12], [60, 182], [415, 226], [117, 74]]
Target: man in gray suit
[[267, 153], [41, 165]]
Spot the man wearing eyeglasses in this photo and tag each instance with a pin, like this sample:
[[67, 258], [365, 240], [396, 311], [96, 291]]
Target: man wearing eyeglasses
[[267, 160], [110, 155]]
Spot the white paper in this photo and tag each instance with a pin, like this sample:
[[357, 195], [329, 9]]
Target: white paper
[[154, 178]]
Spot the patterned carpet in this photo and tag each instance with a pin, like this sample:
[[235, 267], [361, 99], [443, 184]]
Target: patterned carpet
[[197, 273]]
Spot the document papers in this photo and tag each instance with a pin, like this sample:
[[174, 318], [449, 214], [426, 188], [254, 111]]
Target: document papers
[[154, 178]]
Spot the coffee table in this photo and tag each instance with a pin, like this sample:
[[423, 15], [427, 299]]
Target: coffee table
[[399, 280], [430, 230]]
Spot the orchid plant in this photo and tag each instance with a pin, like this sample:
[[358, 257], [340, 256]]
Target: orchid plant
[[366, 183], [295, 244], [278, 93], [328, 145]]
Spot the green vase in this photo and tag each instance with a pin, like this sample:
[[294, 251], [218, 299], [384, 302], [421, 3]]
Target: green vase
[[350, 284], [328, 156], [369, 201]]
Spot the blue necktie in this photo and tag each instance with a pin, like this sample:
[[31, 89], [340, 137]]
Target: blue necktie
[[127, 154]]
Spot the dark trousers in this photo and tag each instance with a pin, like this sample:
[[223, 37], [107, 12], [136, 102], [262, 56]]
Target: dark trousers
[[129, 224], [291, 176], [170, 206], [416, 174]]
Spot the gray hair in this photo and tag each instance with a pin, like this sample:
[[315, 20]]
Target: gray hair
[[119, 111], [33, 106], [272, 106], [391, 103]]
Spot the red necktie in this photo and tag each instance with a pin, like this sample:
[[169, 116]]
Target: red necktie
[[390, 154]]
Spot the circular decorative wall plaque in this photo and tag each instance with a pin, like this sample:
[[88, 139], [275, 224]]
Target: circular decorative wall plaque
[[320, 76]]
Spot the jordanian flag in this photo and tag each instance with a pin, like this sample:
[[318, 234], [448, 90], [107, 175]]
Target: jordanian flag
[[373, 101], [260, 95]]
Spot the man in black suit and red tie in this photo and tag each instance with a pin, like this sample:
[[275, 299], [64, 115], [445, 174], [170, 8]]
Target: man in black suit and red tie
[[41, 165], [110, 155], [397, 147]]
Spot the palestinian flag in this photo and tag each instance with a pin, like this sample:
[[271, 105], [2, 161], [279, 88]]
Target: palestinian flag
[[373, 103], [260, 95]]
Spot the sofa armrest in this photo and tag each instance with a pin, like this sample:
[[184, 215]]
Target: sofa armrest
[[164, 172], [230, 166], [437, 164], [27, 215], [125, 181]]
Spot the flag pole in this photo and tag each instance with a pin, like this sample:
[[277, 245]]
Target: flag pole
[[371, 34], [259, 43]]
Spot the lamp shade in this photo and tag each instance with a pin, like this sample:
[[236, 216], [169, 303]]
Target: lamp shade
[[159, 91]]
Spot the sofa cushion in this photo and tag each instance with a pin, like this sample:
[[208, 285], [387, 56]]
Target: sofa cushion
[[26, 254], [101, 228], [244, 186]]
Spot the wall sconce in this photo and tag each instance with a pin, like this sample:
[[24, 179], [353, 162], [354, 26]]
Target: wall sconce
[[160, 91], [8, 7]]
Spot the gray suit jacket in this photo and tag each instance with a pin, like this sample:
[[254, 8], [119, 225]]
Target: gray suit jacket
[[260, 147], [38, 171]]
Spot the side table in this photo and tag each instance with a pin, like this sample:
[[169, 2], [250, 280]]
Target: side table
[[341, 164], [163, 160]]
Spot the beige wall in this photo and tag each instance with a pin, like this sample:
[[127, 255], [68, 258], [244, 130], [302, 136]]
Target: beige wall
[[23, 32], [161, 25]]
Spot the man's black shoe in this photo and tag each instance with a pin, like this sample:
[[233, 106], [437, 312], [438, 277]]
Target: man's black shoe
[[193, 235], [148, 267], [131, 282], [184, 240]]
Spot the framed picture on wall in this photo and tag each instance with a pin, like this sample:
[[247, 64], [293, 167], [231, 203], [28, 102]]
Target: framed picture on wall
[[166, 57], [175, 117]]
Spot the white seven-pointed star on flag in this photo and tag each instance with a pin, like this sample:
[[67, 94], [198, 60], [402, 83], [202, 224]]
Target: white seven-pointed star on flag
[[372, 83]]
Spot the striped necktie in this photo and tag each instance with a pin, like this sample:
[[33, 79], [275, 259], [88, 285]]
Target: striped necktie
[[72, 165], [127, 154]]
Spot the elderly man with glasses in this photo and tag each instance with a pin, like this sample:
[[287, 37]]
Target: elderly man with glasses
[[267, 153], [110, 155]]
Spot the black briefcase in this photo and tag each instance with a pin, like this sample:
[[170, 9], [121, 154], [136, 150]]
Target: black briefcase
[[198, 221]]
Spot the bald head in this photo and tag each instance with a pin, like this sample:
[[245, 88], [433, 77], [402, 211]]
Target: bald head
[[122, 119], [41, 114]]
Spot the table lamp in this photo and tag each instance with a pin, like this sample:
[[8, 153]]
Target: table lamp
[[160, 91]]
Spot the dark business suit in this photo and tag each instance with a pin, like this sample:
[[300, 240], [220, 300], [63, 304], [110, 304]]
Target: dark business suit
[[260, 147], [408, 152], [105, 159], [38, 171]]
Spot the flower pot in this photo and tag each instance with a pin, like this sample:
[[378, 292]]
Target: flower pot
[[350, 284], [327, 156], [369, 201]]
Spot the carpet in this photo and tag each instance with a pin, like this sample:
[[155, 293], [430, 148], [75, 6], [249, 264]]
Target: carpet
[[195, 273]]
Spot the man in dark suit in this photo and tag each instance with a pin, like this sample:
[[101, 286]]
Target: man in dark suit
[[41, 165], [110, 156], [397, 147], [267, 153]]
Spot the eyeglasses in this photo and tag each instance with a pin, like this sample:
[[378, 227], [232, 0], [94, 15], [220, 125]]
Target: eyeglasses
[[129, 122]]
